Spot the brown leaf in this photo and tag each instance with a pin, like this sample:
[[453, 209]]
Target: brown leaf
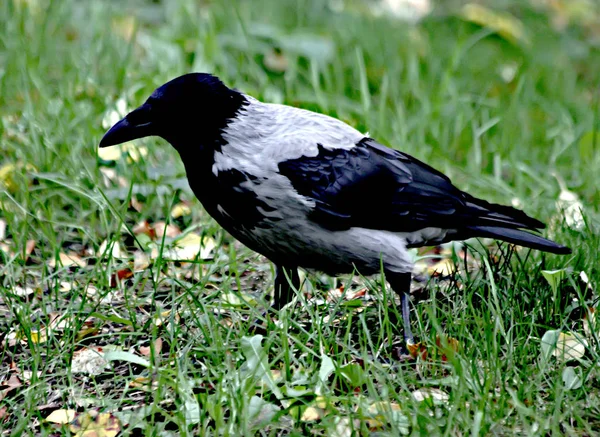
[[144, 227], [67, 260], [170, 231], [146, 350], [11, 384]]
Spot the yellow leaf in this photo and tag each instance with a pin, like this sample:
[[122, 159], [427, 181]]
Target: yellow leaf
[[61, 417], [94, 424], [507, 26], [109, 153], [38, 337], [180, 210], [310, 414], [11, 172]]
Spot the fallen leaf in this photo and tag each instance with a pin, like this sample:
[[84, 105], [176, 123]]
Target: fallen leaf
[[61, 417], [188, 248], [67, 260], [503, 23], [383, 412], [111, 249], [22, 291], [141, 261], [89, 360], [144, 227], [162, 229], [311, 414], [180, 210], [29, 246], [11, 173], [11, 384], [564, 346], [95, 424], [435, 395], [590, 323]]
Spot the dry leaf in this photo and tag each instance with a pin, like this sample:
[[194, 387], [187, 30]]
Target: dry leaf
[[506, 25], [67, 260], [162, 229], [89, 360], [22, 291], [140, 261], [180, 210], [188, 248], [61, 417], [590, 323], [11, 384], [569, 347], [436, 395], [144, 227], [310, 414], [11, 172], [29, 246], [146, 350], [114, 252], [95, 424]]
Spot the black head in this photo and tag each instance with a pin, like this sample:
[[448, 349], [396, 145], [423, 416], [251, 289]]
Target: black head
[[190, 110]]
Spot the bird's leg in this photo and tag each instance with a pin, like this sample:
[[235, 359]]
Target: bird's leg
[[400, 283], [286, 280]]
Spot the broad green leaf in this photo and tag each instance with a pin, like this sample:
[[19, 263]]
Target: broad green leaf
[[572, 378]]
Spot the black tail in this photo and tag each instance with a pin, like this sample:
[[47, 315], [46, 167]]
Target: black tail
[[521, 238], [509, 224]]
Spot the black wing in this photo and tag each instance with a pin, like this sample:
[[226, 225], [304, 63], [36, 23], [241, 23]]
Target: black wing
[[375, 187]]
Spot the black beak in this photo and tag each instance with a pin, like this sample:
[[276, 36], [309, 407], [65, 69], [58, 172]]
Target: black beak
[[136, 124]]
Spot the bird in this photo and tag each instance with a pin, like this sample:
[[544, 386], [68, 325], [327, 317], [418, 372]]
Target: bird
[[309, 191]]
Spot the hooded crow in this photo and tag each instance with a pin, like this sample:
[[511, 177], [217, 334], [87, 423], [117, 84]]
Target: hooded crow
[[307, 190]]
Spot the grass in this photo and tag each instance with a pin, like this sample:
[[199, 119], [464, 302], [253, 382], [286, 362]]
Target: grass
[[185, 358]]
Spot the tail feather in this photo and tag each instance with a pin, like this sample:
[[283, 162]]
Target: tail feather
[[492, 214], [520, 237]]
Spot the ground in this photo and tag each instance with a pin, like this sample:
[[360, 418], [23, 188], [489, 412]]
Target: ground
[[127, 310]]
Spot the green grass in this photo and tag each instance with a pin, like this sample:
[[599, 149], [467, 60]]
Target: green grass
[[434, 90]]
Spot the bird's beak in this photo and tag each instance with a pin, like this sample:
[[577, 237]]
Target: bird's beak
[[136, 124]]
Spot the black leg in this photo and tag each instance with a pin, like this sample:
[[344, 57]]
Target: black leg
[[400, 283], [286, 280]]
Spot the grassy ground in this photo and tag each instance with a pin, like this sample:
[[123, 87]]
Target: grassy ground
[[173, 351]]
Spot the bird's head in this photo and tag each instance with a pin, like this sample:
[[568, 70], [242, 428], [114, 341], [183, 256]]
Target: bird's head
[[188, 111]]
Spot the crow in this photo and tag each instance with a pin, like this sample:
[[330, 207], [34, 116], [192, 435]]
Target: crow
[[308, 190]]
